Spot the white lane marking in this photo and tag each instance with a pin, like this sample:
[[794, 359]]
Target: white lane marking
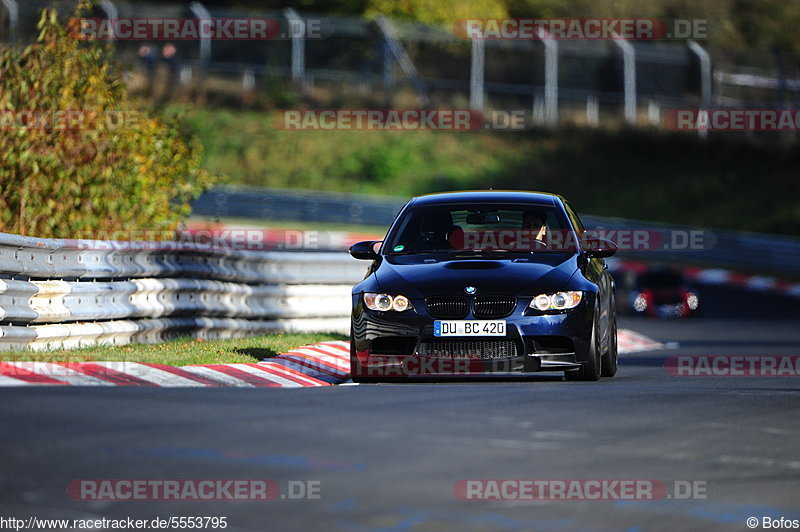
[[150, 374], [758, 461], [520, 444], [218, 376], [62, 373], [269, 377], [560, 434], [739, 427]]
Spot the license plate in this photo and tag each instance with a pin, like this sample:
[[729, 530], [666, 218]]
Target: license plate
[[469, 328]]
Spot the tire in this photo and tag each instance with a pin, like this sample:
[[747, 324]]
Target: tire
[[354, 363], [608, 366], [590, 370], [353, 359]]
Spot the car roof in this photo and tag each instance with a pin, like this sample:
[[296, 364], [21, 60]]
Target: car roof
[[487, 196]]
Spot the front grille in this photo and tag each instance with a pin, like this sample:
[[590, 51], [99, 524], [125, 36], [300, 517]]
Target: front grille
[[471, 349], [494, 306], [447, 307]]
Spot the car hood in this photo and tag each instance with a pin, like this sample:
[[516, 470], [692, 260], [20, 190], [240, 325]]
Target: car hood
[[415, 277]]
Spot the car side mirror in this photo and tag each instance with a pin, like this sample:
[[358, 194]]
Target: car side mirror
[[364, 250], [599, 248]]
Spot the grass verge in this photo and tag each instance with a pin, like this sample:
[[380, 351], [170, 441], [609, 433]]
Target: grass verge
[[183, 351], [724, 181]]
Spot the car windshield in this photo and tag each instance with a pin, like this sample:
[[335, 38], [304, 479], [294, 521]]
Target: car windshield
[[478, 228]]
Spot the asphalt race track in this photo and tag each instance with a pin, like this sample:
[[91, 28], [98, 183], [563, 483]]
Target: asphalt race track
[[387, 457]]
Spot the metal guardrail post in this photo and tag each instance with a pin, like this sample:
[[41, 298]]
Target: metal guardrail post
[[550, 78], [390, 35], [13, 17], [297, 34], [629, 64], [476, 74]]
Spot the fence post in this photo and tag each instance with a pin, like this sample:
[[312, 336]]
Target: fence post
[[297, 33], [200, 12], [248, 80], [390, 36], [629, 64], [476, 75], [592, 111], [388, 73], [653, 113], [550, 78], [13, 18], [705, 78], [111, 14]]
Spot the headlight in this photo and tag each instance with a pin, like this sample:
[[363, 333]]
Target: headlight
[[384, 302], [557, 301]]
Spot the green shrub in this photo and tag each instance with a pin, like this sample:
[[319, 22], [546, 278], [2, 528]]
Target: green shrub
[[106, 174]]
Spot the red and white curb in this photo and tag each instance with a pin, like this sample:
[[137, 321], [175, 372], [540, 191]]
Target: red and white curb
[[322, 364], [632, 342]]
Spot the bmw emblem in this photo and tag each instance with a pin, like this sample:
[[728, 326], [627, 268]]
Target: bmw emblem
[[470, 289]]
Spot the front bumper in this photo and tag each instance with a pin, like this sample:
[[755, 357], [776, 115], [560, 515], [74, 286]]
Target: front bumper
[[395, 344]]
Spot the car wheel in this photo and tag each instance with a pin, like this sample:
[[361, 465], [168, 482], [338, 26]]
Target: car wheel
[[355, 364], [590, 370], [608, 366], [353, 359]]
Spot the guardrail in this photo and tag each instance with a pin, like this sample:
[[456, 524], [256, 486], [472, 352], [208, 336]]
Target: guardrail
[[747, 252], [70, 293]]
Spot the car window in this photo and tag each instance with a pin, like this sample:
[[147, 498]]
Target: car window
[[575, 219], [477, 227]]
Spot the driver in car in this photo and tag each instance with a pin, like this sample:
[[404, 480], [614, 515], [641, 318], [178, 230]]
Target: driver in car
[[536, 223]]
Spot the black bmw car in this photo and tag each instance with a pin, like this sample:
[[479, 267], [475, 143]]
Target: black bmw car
[[484, 282]]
